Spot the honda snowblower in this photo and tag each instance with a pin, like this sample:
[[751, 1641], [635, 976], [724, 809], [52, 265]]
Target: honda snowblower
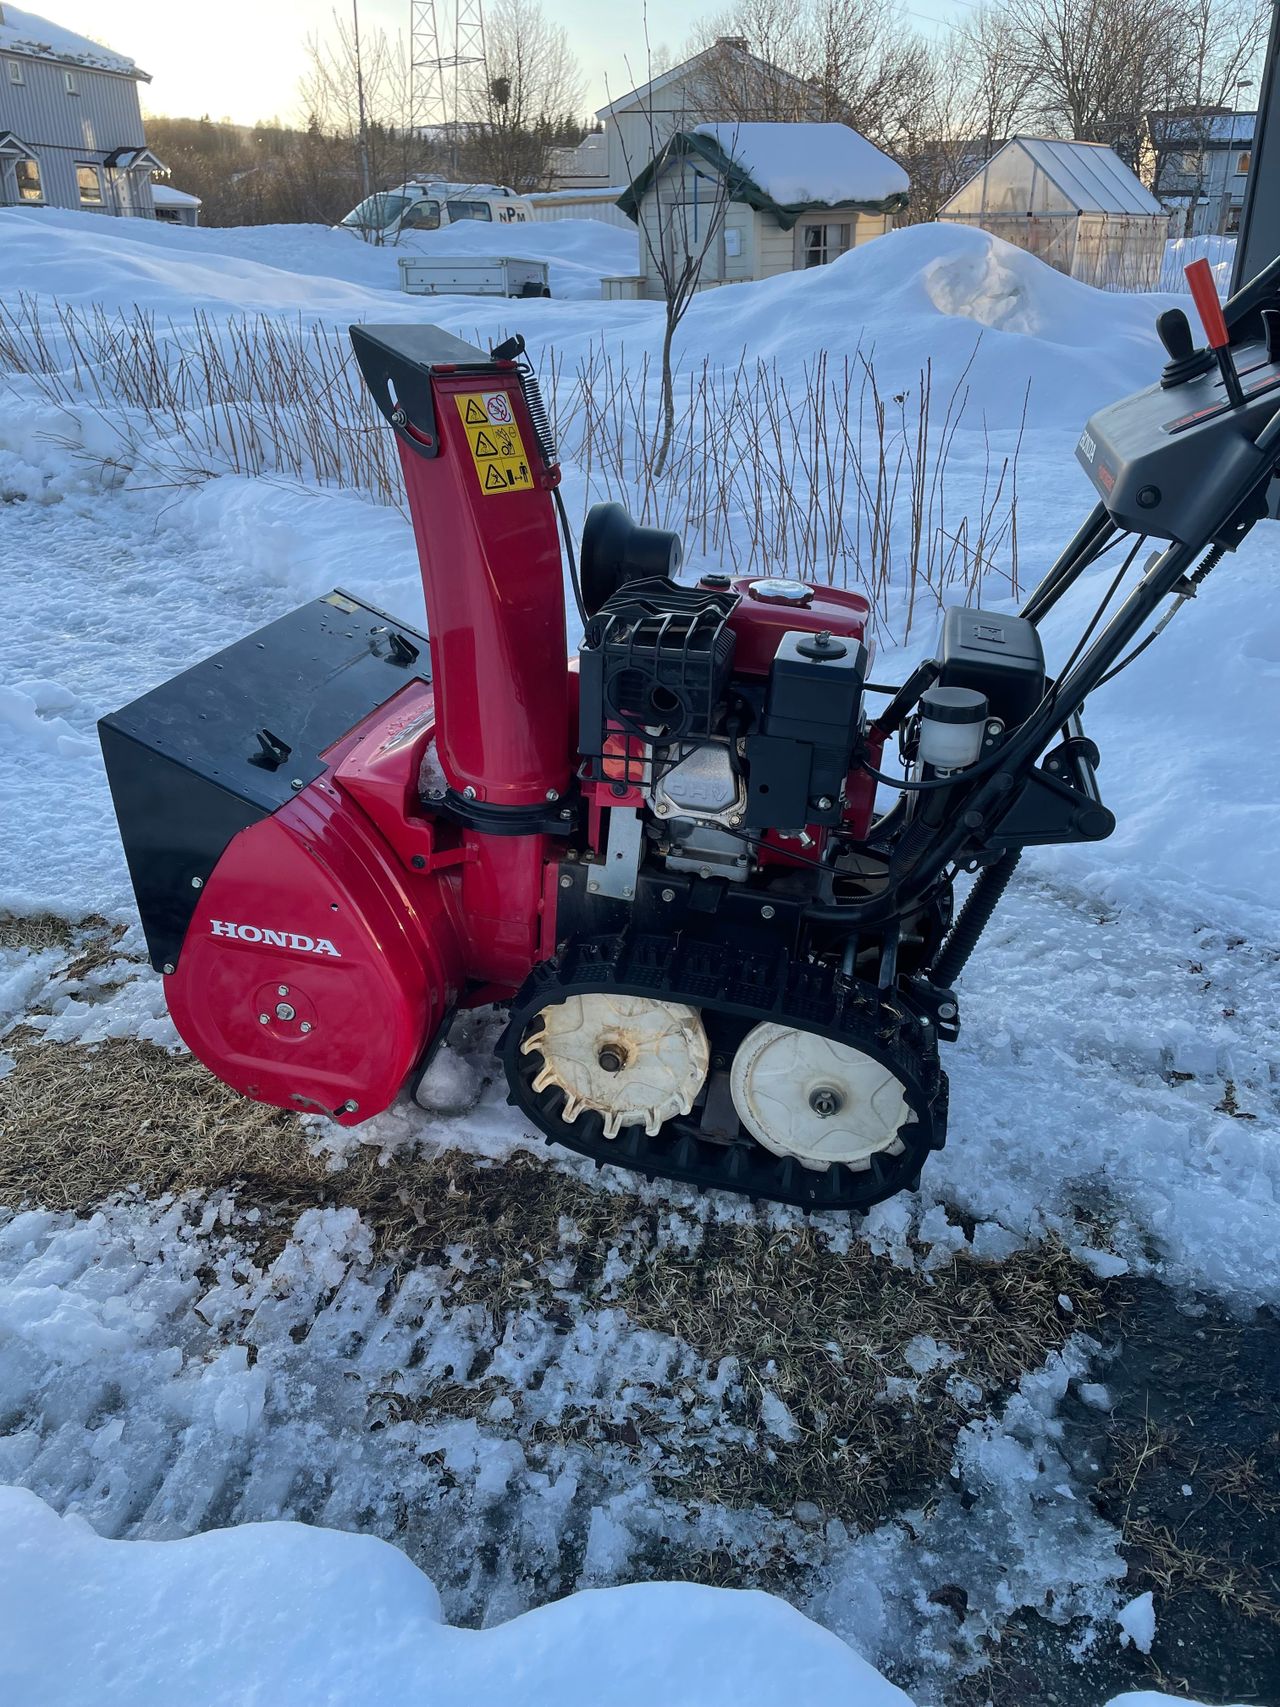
[[663, 858]]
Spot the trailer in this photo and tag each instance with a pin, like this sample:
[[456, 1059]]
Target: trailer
[[473, 275]]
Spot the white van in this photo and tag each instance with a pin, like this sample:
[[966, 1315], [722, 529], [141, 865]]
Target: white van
[[427, 206]]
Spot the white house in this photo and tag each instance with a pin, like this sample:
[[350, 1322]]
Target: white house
[[1074, 204], [724, 81], [70, 124], [754, 200]]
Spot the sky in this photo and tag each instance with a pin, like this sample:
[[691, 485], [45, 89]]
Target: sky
[[242, 59]]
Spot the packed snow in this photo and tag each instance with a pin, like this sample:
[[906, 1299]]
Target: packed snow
[[1119, 1024], [23, 32], [823, 164]]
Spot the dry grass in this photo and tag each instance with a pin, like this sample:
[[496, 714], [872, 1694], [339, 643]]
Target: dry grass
[[806, 1312]]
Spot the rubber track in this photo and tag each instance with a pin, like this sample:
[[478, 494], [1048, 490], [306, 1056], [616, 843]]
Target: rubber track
[[753, 987]]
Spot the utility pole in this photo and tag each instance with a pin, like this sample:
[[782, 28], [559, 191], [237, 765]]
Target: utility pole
[[436, 76], [365, 185]]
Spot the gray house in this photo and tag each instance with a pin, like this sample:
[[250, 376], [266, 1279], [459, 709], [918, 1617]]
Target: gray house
[[70, 125], [1201, 167]]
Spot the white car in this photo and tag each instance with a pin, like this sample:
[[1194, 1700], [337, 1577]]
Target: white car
[[428, 206]]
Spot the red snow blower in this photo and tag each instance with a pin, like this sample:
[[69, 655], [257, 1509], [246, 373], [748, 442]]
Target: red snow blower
[[720, 965]]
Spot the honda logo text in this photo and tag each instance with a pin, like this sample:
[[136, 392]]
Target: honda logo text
[[274, 939]]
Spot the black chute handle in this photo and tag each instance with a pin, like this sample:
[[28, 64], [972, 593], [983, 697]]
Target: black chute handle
[[401, 388]]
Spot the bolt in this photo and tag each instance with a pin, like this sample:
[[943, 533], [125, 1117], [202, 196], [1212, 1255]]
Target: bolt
[[468, 792], [766, 912], [668, 894], [662, 809], [553, 794], [825, 1102], [947, 1010], [350, 1107], [282, 989], [296, 783], [594, 886], [419, 862], [704, 871], [612, 1060], [566, 812], [197, 882], [823, 637], [264, 1019], [285, 1011], [566, 882], [628, 893], [995, 726], [435, 794], [305, 1026], [169, 968], [824, 803], [736, 818]]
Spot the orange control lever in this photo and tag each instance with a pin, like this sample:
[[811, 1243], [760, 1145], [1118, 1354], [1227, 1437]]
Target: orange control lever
[[1204, 292]]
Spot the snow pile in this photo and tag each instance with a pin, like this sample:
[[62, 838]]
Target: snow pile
[[319, 1616], [80, 257], [819, 163], [24, 32], [300, 1616]]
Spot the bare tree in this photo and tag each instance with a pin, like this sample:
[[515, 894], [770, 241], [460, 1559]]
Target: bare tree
[[681, 217], [1222, 41], [524, 101], [357, 86]]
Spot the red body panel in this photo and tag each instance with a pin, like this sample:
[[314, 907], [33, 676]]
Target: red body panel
[[759, 624], [310, 910], [491, 572]]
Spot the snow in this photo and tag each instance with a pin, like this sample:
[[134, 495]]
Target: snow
[[322, 1617], [815, 163], [160, 1391], [24, 32], [1137, 1621], [164, 195]]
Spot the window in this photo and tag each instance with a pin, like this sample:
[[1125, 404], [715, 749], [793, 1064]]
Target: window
[[69, 79], [824, 243], [422, 216], [90, 186], [1242, 164], [376, 213], [468, 210], [27, 173], [15, 71]]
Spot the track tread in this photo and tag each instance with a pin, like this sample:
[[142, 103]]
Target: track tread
[[754, 987]]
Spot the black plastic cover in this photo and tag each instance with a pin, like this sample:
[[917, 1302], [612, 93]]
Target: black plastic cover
[[227, 742], [1000, 656]]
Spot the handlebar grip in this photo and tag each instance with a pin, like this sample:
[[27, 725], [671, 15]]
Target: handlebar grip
[[1204, 293]]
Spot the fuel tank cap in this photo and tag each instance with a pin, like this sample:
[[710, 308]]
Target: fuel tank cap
[[777, 592]]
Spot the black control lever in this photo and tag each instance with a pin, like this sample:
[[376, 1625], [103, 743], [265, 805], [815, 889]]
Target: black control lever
[[1185, 360], [1271, 332]]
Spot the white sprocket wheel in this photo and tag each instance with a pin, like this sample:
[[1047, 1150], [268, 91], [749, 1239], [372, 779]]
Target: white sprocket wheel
[[818, 1101], [634, 1061]]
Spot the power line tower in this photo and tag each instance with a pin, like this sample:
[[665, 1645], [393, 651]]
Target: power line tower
[[438, 76]]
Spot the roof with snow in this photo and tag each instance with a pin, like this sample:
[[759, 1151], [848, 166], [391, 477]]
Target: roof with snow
[[785, 169], [25, 33], [164, 195], [1087, 177]]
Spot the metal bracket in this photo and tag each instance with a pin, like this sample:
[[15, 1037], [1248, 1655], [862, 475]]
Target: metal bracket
[[619, 874]]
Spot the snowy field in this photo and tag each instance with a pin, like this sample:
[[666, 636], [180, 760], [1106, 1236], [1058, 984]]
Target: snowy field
[[522, 1419]]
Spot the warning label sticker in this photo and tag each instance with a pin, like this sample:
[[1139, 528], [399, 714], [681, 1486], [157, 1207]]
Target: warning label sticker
[[496, 446]]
